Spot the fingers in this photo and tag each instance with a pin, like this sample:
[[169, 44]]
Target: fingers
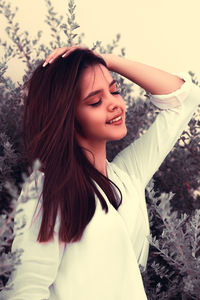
[[64, 51], [57, 52], [69, 50]]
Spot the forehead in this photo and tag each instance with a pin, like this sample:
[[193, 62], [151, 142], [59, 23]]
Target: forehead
[[94, 78]]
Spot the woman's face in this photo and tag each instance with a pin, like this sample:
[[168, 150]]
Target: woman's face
[[99, 103]]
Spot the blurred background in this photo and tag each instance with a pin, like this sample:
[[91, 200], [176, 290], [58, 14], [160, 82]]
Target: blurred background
[[164, 34]]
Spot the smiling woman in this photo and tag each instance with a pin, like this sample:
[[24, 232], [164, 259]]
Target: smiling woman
[[90, 233], [99, 104]]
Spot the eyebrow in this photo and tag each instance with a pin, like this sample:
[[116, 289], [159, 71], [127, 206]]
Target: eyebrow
[[98, 91]]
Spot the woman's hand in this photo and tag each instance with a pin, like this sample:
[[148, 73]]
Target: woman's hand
[[65, 51]]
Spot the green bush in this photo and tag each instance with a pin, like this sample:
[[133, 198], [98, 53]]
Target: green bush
[[174, 261]]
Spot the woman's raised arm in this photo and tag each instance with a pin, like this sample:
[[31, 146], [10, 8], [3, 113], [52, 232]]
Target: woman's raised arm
[[151, 79]]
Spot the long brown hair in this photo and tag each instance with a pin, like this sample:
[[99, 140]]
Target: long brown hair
[[49, 134]]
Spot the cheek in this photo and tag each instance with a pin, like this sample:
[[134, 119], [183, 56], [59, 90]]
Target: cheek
[[90, 117], [91, 120], [123, 104]]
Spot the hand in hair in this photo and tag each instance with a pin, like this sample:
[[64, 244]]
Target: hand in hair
[[65, 51]]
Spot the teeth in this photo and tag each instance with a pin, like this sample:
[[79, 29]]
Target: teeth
[[115, 120]]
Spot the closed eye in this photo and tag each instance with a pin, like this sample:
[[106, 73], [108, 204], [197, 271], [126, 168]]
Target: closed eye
[[96, 103], [100, 100], [115, 93]]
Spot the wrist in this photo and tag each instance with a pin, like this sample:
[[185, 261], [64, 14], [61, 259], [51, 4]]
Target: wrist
[[114, 62], [109, 59]]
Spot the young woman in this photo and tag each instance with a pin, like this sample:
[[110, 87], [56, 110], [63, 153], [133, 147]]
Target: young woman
[[87, 225]]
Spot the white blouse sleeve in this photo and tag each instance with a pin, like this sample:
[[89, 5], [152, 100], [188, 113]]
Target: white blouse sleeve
[[144, 156], [39, 261]]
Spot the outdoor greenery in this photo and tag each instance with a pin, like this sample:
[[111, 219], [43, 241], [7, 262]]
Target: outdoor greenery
[[173, 196]]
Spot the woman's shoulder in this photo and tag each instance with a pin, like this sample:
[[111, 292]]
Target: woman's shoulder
[[118, 168]]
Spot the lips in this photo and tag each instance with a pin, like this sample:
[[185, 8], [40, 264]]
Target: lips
[[111, 120]]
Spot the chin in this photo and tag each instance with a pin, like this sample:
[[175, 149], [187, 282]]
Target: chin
[[118, 136]]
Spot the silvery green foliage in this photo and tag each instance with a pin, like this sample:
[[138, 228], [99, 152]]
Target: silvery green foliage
[[7, 260], [178, 246], [13, 222], [173, 266]]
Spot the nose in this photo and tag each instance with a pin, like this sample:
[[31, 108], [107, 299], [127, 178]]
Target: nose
[[113, 103], [113, 107]]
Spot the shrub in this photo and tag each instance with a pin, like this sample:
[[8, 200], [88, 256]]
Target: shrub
[[173, 266]]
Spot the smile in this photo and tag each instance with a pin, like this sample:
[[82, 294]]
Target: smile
[[116, 121]]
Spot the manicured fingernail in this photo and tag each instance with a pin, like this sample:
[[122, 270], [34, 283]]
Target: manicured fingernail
[[64, 54], [44, 64]]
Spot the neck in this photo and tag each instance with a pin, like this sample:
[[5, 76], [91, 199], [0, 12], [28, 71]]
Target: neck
[[98, 149]]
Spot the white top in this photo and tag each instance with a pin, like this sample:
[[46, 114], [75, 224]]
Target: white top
[[104, 265]]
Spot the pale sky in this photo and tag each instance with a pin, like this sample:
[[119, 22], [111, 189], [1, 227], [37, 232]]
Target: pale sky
[[161, 33]]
